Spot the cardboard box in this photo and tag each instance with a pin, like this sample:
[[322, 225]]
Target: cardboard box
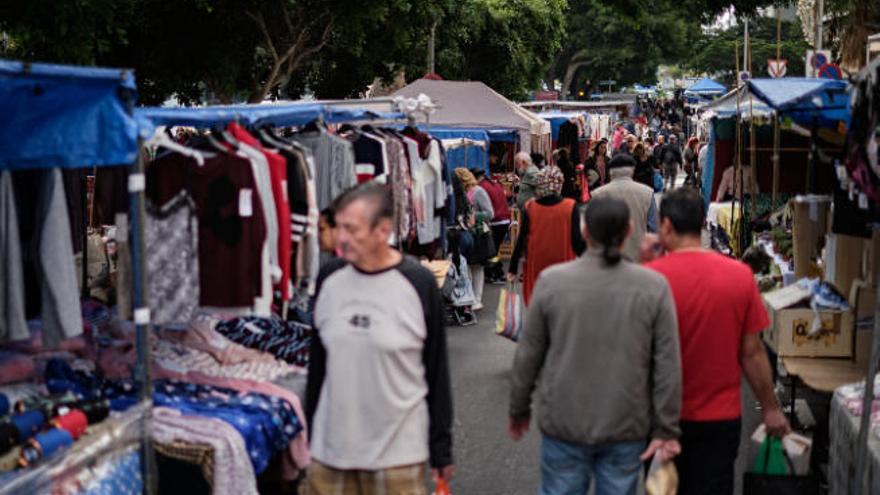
[[790, 335]]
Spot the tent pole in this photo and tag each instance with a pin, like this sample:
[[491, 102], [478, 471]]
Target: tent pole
[[737, 171], [775, 192]]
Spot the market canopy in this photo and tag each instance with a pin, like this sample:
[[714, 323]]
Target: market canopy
[[805, 101], [279, 114], [474, 105], [64, 116], [705, 87]]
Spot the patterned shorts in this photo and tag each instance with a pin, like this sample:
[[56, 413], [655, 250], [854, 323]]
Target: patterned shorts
[[324, 480]]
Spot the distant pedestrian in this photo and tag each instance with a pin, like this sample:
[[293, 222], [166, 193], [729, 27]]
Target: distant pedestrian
[[645, 166], [598, 160], [500, 223], [378, 399], [569, 185], [549, 231], [672, 160], [691, 157], [538, 159], [600, 345], [481, 205], [720, 318], [639, 198], [526, 170]]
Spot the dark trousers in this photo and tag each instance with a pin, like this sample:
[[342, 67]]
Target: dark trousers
[[495, 271], [708, 455]]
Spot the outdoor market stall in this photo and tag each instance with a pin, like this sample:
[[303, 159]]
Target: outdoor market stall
[[60, 121], [473, 105]]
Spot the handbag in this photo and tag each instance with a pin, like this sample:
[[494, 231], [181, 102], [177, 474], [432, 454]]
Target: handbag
[[484, 246], [510, 314], [772, 474], [658, 181]]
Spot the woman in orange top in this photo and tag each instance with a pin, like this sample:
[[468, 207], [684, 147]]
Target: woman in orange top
[[549, 231]]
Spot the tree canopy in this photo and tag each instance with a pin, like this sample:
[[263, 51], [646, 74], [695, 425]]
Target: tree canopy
[[714, 53]]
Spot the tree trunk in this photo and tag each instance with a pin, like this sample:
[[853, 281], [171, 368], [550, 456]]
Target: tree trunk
[[570, 72]]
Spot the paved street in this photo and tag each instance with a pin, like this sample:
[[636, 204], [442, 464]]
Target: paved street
[[488, 462]]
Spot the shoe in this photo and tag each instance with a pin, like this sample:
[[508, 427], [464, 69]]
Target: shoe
[[477, 307]]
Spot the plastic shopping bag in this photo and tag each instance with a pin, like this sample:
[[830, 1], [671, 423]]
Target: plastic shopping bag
[[662, 478], [771, 474], [442, 488], [509, 318]]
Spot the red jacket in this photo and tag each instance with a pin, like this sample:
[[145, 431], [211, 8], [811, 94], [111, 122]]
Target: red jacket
[[499, 200]]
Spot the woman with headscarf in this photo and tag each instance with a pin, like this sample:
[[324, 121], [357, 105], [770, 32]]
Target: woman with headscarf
[[549, 231], [598, 160], [481, 205]]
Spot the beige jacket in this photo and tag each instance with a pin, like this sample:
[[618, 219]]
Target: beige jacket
[[640, 199]]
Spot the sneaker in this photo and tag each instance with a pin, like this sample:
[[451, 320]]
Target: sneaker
[[477, 307]]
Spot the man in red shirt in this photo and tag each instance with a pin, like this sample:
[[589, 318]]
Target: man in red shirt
[[720, 315]]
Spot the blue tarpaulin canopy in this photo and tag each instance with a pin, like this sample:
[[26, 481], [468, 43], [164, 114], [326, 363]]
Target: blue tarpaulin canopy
[[64, 116], [477, 156], [706, 86], [805, 101], [287, 114], [556, 120], [474, 155]]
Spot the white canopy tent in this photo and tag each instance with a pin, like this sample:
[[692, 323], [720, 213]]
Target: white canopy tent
[[472, 104]]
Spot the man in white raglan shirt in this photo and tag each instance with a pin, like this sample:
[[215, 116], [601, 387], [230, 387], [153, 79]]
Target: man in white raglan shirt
[[378, 401]]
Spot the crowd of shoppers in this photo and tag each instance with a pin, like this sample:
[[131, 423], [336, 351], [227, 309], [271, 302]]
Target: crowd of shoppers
[[632, 348]]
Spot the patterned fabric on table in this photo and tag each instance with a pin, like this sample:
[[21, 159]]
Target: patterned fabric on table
[[179, 358], [171, 237], [267, 424], [229, 469], [200, 454], [121, 476], [286, 340]]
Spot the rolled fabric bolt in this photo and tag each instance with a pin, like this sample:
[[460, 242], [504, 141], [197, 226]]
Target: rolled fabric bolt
[[44, 445], [74, 422], [28, 423]]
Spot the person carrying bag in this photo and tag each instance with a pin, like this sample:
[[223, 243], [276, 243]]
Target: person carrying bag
[[773, 473]]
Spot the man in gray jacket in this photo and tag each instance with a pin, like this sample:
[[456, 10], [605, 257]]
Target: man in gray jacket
[[638, 197], [600, 342], [527, 172]]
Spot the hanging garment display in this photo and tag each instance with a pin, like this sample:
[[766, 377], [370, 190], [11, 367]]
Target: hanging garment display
[[171, 239], [12, 315]]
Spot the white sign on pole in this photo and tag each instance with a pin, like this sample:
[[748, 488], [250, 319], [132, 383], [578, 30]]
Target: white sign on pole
[[777, 68], [815, 60]]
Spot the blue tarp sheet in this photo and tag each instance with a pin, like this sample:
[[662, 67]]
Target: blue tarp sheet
[[64, 116], [706, 86], [477, 157], [556, 120], [256, 115], [504, 135], [806, 101], [474, 157]]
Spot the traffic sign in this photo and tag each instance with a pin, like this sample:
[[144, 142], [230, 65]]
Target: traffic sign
[[815, 60], [777, 68], [831, 71]]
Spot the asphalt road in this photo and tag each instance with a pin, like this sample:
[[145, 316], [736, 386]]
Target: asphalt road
[[487, 461]]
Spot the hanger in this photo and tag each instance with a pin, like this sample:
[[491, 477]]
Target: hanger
[[162, 140]]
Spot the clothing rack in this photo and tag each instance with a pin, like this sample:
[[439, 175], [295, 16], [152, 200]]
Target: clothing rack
[[104, 115]]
